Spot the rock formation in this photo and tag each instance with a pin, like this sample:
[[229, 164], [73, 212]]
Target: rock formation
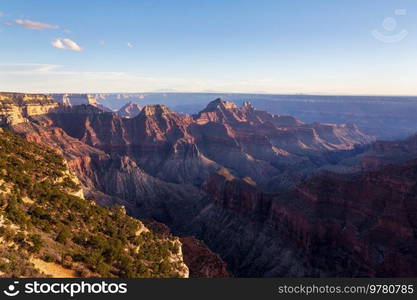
[[17, 108], [202, 262], [271, 195], [129, 110], [79, 99], [74, 99]]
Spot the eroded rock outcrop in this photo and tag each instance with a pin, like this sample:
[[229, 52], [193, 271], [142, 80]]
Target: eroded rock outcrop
[[202, 262], [183, 149], [129, 110], [17, 108], [329, 225]]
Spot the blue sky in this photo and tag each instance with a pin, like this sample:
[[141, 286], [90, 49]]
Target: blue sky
[[272, 46]]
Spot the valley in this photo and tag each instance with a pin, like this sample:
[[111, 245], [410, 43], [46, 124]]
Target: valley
[[251, 193]]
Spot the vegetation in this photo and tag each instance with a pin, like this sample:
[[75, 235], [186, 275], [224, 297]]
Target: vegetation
[[40, 217]]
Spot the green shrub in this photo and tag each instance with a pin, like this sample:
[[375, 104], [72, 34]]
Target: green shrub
[[37, 243], [102, 240], [63, 235]]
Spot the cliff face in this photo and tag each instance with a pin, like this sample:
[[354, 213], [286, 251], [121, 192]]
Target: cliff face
[[247, 183], [330, 225], [74, 99], [17, 108], [370, 218], [129, 110], [377, 155], [183, 149], [79, 99], [202, 262], [226, 112]]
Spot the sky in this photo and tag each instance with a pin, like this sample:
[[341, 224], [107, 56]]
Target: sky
[[263, 46]]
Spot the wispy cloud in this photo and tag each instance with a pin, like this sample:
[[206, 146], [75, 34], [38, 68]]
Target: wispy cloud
[[2, 14], [43, 78], [28, 24], [130, 45], [27, 68], [55, 78], [66, 44], [7, 23]]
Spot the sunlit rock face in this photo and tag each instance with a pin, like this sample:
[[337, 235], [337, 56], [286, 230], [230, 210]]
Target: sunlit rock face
[[17, 108], [79, 99], [74, 99], [129, 110]]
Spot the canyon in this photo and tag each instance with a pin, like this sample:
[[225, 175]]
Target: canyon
[[250, 193], [385, 117]]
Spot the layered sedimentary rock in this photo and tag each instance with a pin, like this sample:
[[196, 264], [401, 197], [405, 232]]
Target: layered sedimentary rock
[[368, 218], [17, 108], [184, 149], [247, 183], [74, 99], [329, 225], [201, 261], [79, 99], [386, 117], [129, 110]]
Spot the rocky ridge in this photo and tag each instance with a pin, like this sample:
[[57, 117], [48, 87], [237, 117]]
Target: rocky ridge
[[129, 110], [238, 174], [44, 221], [17, 108]]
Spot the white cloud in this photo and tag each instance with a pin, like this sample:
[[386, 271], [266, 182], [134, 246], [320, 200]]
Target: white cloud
[[28, 24], [7, 23], [27, 68], [101, 42], [2, 14], [130, 45], [66, 44], [49, 78]]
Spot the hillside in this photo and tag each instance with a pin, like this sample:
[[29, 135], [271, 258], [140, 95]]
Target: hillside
[[46, 228]]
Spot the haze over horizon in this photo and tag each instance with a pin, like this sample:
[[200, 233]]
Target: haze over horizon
[[193, 46]]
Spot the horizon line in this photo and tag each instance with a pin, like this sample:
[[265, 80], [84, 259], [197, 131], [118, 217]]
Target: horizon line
[[217, 93]]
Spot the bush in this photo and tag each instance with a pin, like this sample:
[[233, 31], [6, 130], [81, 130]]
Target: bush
[[104, 240], [63, 235], [37, 243], [48, 258]]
